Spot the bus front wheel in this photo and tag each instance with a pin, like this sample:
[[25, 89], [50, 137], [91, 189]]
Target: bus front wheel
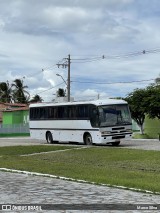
[[116, 143], [49, 138], [88, 139]]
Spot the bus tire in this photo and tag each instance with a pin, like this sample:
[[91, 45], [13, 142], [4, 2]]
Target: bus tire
[[116, 143], [87, 139], [49, 138]]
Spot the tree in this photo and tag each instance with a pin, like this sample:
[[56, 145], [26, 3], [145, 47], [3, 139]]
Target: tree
[[20, 95], [61, 93], [36, 99], [5, 92], [137, 101], [153, 101]]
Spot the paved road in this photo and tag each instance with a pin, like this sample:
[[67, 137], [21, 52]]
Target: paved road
[[132, 144], [26, 189], [16, 141], [142, 144]]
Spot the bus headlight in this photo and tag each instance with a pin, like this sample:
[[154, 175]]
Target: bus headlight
[[129, 130], [105, 132]]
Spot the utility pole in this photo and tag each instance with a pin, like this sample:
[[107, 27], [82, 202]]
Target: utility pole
[[64, 65], [69, 78]]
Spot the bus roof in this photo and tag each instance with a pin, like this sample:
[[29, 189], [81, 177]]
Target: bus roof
[[98, 102]]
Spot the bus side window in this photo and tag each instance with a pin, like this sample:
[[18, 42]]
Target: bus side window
[[65, 114], [62, 112], [74, 109], [43, 113], [55, 112], [46, 113], [37, 113], [51, 112], [94, 116], [71, 112], [80, 111], [86, 113], [31, 114], [83, 111]]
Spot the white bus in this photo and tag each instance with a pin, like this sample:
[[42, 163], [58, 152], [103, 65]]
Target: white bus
[[97, 122]]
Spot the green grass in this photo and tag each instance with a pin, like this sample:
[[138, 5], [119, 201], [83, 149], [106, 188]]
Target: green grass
[[152, 127], [14, 134], [22, 150], [140, 136], [108, 165]]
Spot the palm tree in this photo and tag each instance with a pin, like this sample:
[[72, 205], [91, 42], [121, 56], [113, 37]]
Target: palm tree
[[5, 92], [20, 95], [61, 92], [36, 99]]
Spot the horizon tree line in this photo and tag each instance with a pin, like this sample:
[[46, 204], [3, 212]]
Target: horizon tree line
[[17, 93], [144, 102]]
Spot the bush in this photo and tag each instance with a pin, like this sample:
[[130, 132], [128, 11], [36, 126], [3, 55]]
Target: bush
[[140, 136]]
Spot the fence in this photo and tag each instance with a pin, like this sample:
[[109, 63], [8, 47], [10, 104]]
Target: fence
[[14, 128]]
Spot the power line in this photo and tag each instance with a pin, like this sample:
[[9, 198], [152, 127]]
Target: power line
[[121, 82], [50, 88], [43, 69], [94, 59], [37, 73], [133, 54], [97, 58], [86, 60], [120, 56]]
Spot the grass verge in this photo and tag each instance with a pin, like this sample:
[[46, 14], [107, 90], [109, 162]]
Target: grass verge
[[140, 136], [24, 150], [14, 134], [108, 165]]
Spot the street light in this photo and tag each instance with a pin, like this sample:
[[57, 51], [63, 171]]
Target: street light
[[64, 82], [62, 78]]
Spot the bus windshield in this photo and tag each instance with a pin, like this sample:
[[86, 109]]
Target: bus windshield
[[113, 115]]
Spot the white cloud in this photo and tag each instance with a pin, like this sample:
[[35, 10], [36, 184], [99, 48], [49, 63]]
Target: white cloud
[[89, 94]]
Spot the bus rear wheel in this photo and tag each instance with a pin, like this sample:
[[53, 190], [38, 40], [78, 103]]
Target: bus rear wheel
[[49, 138], [87, 139]]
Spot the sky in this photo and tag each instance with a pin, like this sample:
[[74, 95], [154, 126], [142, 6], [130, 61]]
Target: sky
[[114, 45]]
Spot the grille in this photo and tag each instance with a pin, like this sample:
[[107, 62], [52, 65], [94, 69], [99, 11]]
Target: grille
[[118, 136], [118, 128]]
